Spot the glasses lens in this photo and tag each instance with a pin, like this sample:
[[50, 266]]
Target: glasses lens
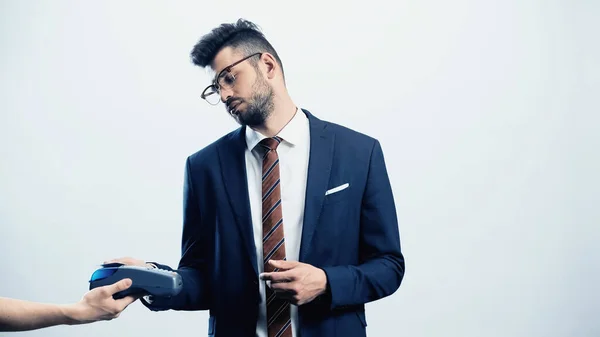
[[227, 80], [211, 95], [212, 98]]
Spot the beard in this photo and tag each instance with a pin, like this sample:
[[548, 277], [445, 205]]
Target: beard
[[259, 107]]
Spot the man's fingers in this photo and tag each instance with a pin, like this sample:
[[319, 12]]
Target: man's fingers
[[278, 276], [129, 261], [119, 286], [282, 264], [122, 260], [283, 287], [285, 291]]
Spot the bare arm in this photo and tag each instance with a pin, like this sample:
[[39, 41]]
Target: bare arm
[[96, 305]]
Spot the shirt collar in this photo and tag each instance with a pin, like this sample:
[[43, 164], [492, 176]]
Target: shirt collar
[[291, 133]]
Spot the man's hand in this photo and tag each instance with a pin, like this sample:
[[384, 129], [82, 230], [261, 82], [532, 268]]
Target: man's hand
[[129, 261], [99, 305], [298, 282]]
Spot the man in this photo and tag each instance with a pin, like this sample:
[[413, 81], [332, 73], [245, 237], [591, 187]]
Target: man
[[289, 221], [96, 305]]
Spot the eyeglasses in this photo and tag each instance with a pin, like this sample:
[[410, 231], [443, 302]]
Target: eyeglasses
[[225, 80]]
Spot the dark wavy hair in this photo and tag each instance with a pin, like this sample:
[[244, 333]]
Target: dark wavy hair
[[243, 36]]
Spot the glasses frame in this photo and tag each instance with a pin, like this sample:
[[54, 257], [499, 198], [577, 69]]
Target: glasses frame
[[215, 83]]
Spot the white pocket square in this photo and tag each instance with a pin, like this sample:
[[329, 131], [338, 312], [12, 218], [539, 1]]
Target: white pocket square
[[337, 189]]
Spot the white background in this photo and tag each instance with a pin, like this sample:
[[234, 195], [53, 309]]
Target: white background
[[487, 112]]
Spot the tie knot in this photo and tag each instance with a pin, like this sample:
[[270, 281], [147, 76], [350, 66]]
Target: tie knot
[[271, 143]]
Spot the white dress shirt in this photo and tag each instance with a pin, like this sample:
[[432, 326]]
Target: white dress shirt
[[293, 154]]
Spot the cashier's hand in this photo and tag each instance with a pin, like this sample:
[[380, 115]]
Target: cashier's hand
[[298, 282], [99, 305]]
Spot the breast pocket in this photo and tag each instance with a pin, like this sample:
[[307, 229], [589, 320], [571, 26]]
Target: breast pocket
[[337, 194]]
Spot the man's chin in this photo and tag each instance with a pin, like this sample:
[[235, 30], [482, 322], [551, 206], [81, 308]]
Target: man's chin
[[253, 123], [237, 115], [240, 120]]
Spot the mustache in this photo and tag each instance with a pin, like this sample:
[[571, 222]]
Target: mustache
[[230, 101]]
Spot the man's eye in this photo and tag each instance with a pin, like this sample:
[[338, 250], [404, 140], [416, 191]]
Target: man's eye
[[228, 79]]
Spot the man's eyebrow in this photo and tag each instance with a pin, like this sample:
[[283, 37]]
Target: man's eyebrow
[[220, 73]]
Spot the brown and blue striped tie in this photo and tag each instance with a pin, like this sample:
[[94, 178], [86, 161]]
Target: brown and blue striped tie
[[278, 310]]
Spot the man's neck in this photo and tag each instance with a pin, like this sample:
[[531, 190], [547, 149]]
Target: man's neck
[[282, 114]]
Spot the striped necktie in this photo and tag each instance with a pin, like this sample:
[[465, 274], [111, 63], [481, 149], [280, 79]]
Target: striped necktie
[[278, 310]]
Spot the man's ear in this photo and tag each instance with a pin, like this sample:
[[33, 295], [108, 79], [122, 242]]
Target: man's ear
[[270, 65]]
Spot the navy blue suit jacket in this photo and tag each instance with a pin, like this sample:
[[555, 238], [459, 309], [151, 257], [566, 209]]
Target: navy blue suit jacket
[[352, 235]]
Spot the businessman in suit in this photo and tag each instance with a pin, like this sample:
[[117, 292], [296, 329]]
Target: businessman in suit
[[289, 221]]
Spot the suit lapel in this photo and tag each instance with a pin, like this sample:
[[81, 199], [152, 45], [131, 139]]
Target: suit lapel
[[319, 169], [233, 164]]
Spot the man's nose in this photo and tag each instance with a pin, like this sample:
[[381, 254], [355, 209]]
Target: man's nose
[[225, 94]]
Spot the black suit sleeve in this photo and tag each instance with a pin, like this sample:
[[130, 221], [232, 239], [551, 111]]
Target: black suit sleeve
[[192, 265]]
